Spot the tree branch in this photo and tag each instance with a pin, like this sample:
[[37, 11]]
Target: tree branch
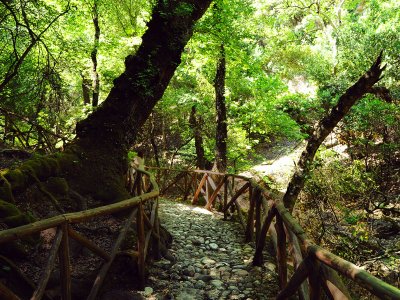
[[325, 127]]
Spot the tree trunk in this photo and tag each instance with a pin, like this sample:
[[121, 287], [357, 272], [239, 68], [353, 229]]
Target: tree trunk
[[195, 124], [222, 131], [93, 55], [96, 161], [325, 127], [153, 140], [85, 89], [103, 139]]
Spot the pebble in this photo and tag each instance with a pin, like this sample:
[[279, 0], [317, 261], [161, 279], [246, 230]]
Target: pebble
[[213, 263], [148, 291], [213, 246]]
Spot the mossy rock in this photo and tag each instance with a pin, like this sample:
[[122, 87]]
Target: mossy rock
[[16, 178], [57, 185], [8, 209]]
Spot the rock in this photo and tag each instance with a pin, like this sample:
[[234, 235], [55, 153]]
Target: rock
[[217, 283], [200, 284], [190, 271], [198, 241], [203, 270], [205, 278], [240, 272], [213, 246], [270, 266], [208, 261], [148, 291], [187, 294], [213, 294]]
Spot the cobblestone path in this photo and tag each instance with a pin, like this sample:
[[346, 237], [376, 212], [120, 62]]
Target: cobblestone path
[[211, 259]]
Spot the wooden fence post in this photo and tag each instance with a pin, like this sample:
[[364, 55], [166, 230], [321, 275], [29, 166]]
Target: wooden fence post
[[44, 277], [215, 193], [332, 284], [258, 257], [304, 293], [140, 245], [198, 190], [225, 196], [253, 195], [314, 279], [258, 217], [65, 271], [281, 254], [299, 277], [156, 238]]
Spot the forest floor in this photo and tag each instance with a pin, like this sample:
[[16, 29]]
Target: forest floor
[[211, 260]]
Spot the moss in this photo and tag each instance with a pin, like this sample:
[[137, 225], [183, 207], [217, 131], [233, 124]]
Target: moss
[[8, 209], [65, 161], [12, 216], [111, 193], [16, 178], [5, 190], [57, 185]]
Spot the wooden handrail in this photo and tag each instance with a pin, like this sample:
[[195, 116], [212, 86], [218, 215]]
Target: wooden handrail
[[317, 262], [61, 245], [77, 217], [320, 262]]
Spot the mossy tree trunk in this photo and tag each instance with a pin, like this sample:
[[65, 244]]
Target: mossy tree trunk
[[325, 127], [96, 161]]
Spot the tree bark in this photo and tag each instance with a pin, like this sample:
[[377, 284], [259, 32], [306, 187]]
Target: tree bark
[[222, 131], [103, 139], [195, 123], [93, 55], [85, 89], [153, 141], [96, 161], [325, 127]]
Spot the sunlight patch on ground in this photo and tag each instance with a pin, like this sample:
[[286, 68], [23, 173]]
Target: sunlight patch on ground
[[281, 168], [195, 209], [201, 210]]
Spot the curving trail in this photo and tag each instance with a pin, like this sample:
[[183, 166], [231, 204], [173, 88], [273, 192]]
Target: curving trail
[[211, 259]]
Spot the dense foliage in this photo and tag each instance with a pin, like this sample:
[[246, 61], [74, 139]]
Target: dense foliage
[[287, 64]]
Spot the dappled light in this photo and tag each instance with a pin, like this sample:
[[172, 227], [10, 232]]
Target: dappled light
[[199, 149]]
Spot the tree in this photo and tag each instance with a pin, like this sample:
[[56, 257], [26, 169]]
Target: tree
[[325, 127], [96, 161], [196, 125], [221, 135], [93, 54]]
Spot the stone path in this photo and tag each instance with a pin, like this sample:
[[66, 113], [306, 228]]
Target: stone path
[[211, 260]]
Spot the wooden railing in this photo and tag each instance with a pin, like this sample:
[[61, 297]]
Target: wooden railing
[[145, 196], [310, 261]]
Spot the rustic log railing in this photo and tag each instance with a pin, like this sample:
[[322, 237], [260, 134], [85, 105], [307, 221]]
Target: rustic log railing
[[310, 261], [145, 193]]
